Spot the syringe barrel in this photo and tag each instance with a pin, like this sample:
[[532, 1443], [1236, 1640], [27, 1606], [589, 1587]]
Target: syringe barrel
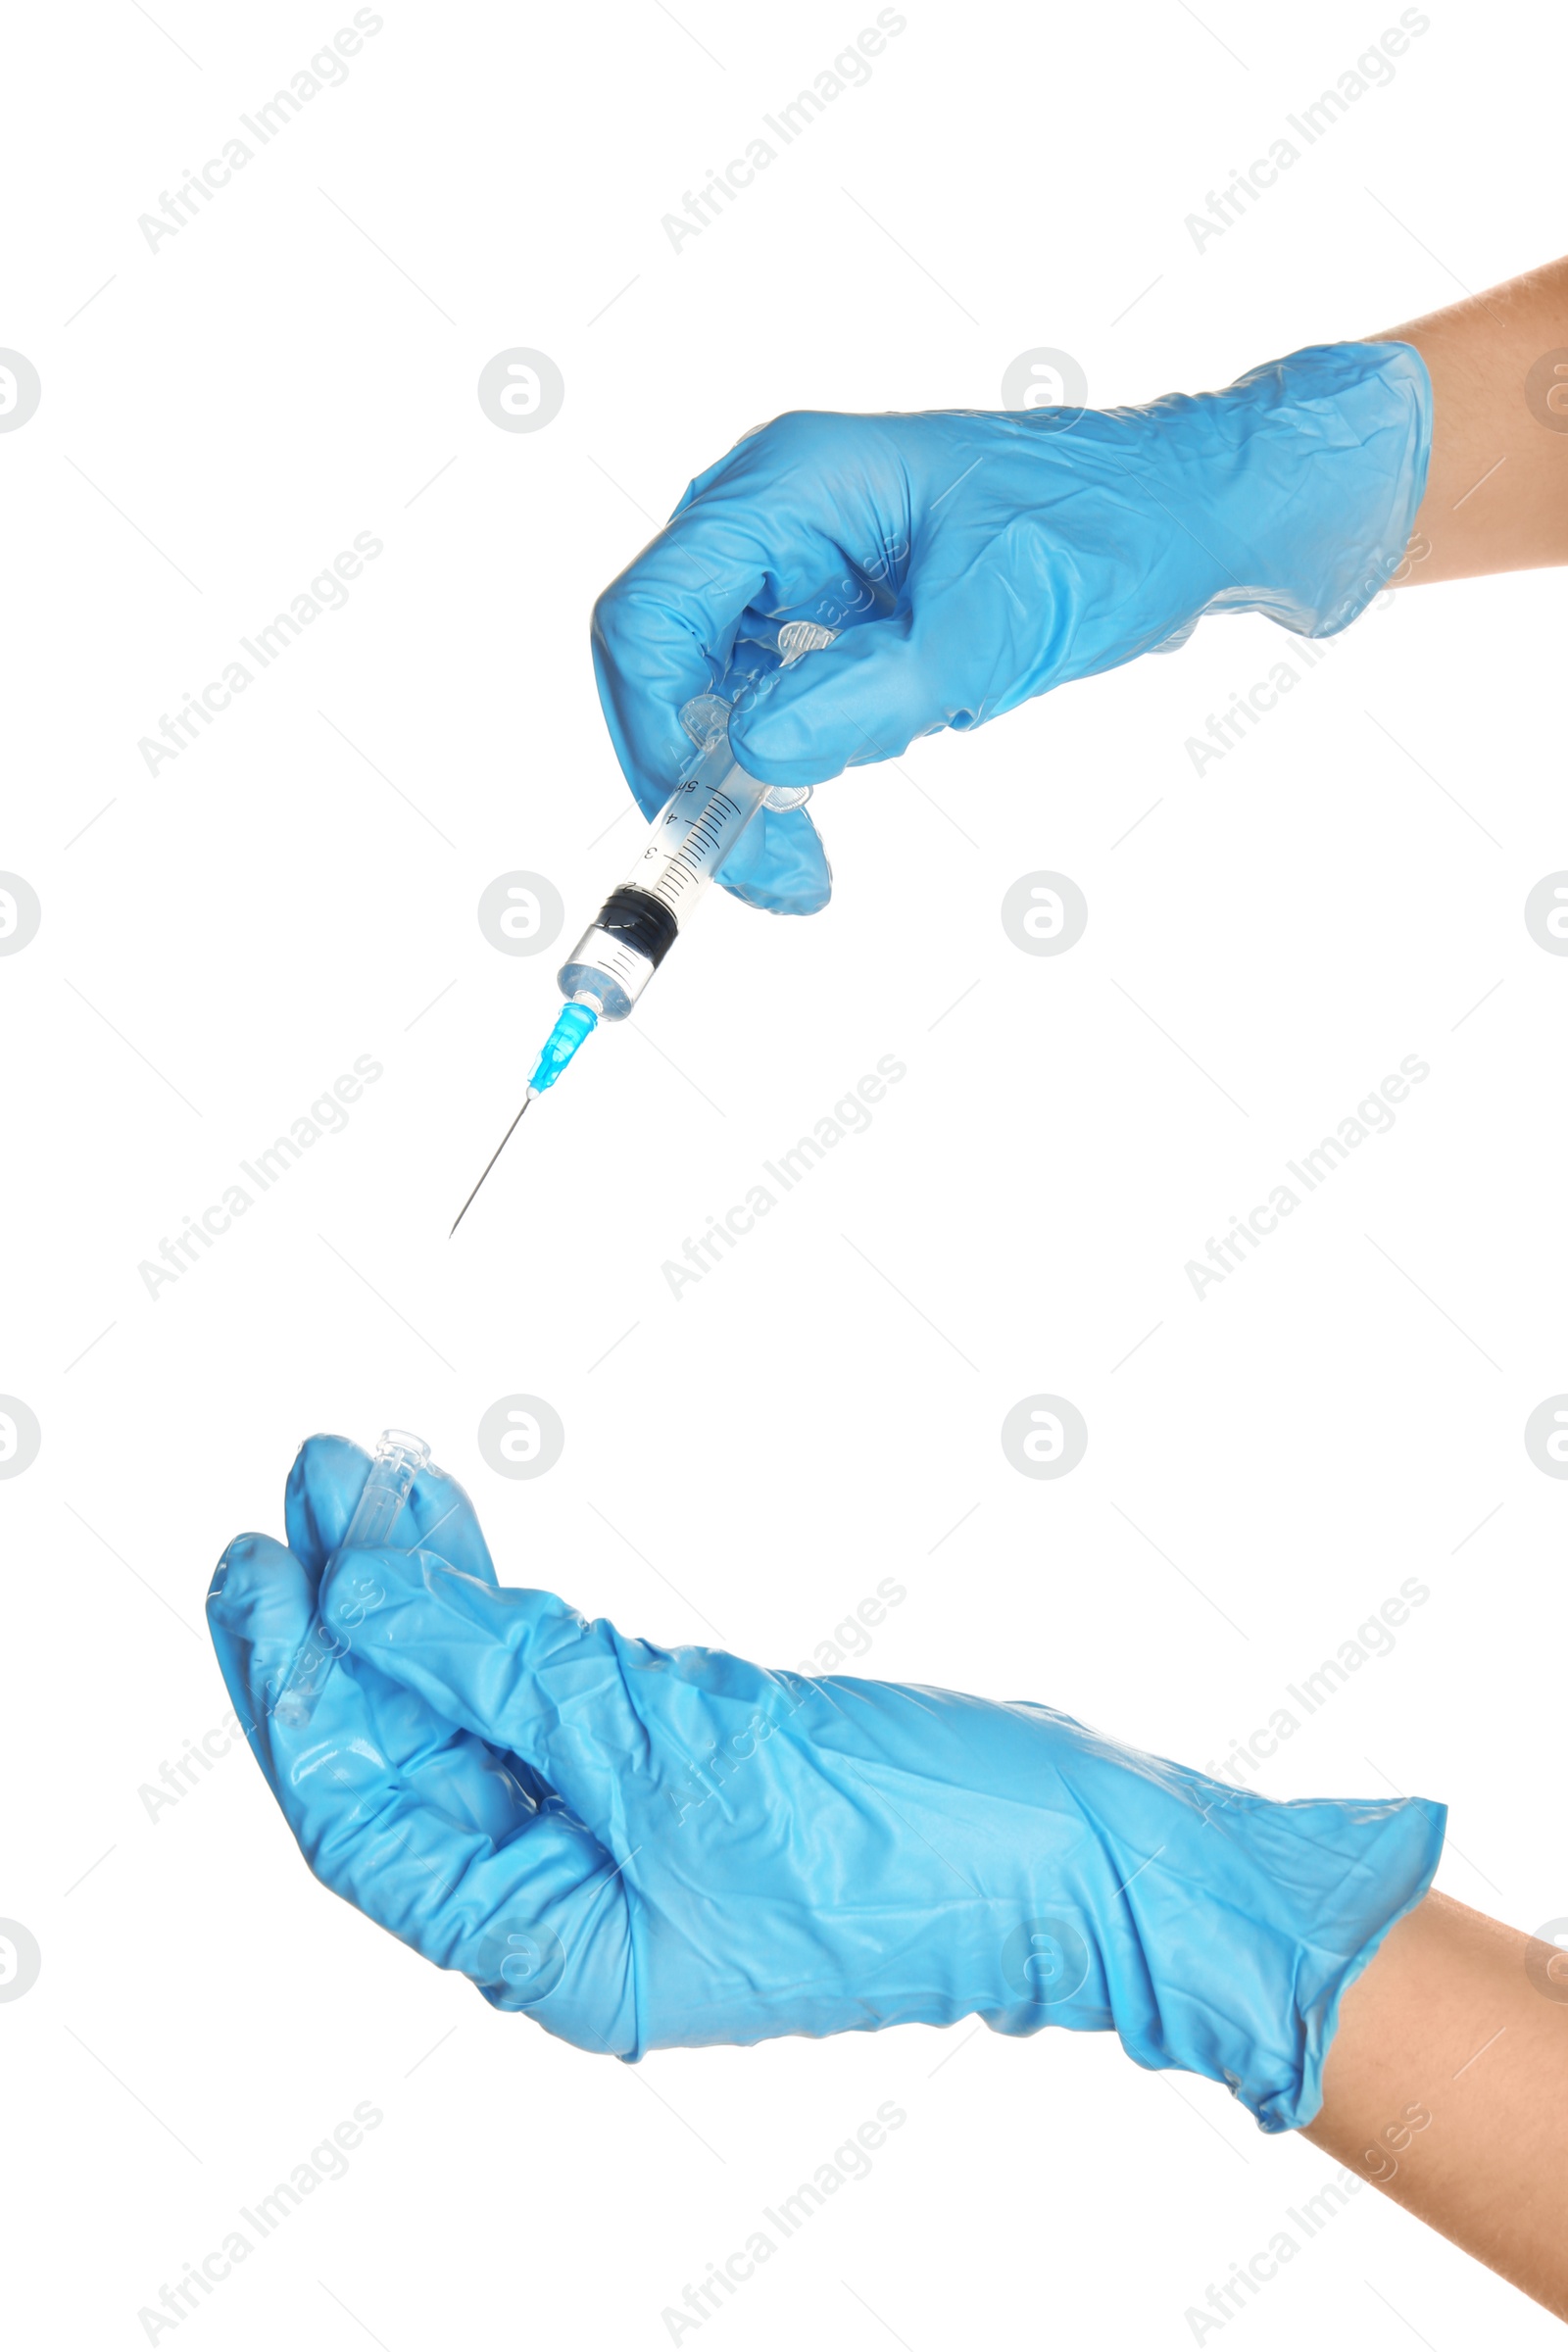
[[687, 842], [619, 953]]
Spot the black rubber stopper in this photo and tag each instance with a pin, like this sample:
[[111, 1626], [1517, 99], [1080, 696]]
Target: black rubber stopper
[[644, 923]]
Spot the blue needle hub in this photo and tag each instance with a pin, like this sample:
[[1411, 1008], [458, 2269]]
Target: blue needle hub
[[576, 1022]]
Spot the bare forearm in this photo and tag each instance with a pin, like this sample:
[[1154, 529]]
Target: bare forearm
[[1497, 496], [1447, 2087]]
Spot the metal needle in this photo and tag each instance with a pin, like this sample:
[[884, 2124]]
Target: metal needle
[[488, 1165]]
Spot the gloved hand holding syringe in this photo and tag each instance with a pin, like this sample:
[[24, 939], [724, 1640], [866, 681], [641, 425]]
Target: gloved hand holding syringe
[[689, 840], [964, 561]]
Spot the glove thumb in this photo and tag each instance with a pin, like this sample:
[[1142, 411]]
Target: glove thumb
[[864, 698]]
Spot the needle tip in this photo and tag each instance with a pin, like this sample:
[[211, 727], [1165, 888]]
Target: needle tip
[[490, 1163]]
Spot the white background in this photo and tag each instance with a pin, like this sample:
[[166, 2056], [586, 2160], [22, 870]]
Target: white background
[[297, 366]]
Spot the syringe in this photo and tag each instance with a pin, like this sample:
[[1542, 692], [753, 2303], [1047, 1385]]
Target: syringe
[[399, 1460], [687, 842]]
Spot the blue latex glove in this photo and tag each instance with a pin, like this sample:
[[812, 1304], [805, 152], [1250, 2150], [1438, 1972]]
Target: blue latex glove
[[974, 560], [651, 1847]]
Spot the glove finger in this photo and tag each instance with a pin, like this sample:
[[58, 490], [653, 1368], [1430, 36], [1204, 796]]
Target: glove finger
[[664, 630], [324, 1484], [779, 864], [424, 1831], [520, 1669], [260, 1610], [538, 1921]]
